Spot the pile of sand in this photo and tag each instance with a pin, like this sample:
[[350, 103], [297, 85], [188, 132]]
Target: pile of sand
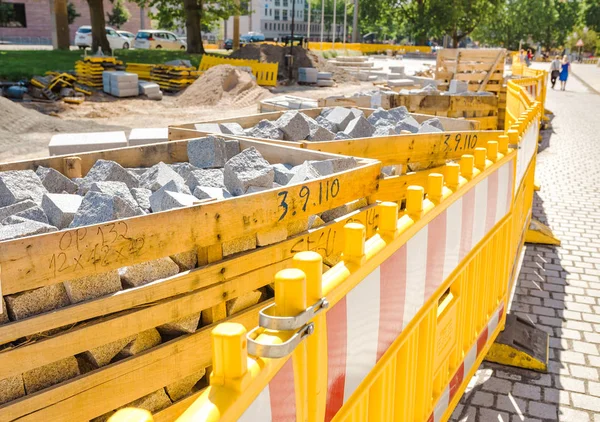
[[223, 85], [16, 119], [302, 58]]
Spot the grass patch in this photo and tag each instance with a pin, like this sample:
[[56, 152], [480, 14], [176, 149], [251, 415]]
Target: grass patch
[[23, 64]]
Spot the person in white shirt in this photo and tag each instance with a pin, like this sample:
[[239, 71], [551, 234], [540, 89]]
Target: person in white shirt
[[554, 70]]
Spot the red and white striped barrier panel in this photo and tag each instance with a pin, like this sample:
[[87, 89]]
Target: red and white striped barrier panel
[[362, 325], [277, 401], [465, 368], [527, 148]]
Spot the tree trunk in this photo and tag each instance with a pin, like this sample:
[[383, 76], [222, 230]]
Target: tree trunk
[[192, 27], [421, 33], [456, 37], [98, 26], [60, 25]]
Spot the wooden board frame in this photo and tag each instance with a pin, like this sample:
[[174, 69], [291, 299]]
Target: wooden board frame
[[192, 291], [45, 259], [479, 67], [188, 130]]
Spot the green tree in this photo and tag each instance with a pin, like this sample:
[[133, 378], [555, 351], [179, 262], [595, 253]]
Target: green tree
[[120, 14], [545, 22], [382, 18], [591, 14], [71, 13], [198, 16], [588, 36]]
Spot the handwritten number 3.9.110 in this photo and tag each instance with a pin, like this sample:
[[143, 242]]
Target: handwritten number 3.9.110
[[331, 191]]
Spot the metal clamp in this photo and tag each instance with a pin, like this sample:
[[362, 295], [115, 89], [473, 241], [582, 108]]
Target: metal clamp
[[290, 323], [300, 322], [276, 351]]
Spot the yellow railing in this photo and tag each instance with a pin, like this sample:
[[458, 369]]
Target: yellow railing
[[368, 48], [397, 328], [265, 73]]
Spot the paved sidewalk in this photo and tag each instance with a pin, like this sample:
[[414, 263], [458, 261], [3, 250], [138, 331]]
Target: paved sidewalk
[[589, 73], [558, 287]]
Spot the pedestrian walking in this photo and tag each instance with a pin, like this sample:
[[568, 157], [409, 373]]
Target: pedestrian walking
[[564, 72], [554, 70]]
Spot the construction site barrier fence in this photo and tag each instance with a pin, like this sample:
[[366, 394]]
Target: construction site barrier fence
[[368, 48], [265, 73], [396, 329]]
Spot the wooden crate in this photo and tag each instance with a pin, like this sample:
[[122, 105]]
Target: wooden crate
[[483, 109], [37, 261], [188, 131], [482, 69], [282, 103]]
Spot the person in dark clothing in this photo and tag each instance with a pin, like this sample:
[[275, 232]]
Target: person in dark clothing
[[554, 70]]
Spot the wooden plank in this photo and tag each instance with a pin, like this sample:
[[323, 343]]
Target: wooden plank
[[53, 257], [480, 53], [394, 188], [490, 74], [478, 66], [489, 87], [124, 381], [469, 103], [213, 253], [487, 122], [97, 333], [415, 148], [471, 77], [325, 240]]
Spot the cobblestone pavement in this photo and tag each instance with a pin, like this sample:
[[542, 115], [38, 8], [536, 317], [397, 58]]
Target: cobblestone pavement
[[590, 73], [558, 287]]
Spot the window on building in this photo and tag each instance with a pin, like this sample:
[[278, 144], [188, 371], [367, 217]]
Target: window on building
[[266, 11], [285, 14], [277, 2], [276, 14], [285, 3], [12, 15], [271, 12]]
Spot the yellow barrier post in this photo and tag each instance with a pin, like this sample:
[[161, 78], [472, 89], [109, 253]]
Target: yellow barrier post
[[311, 264], [131, 415]]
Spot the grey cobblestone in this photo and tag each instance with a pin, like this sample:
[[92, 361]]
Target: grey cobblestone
[[558, 287], [569, 415]]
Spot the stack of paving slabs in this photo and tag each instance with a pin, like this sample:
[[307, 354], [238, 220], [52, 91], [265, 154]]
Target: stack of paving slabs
[[150, 89], [143, 70], [120, 84], [89, 70], [173, 78]]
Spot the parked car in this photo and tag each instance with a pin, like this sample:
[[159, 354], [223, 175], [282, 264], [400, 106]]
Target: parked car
[[229, 43], [157, 38], [130, 37], [83, 38], [255, 36]]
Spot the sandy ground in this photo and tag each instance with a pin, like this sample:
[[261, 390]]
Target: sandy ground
[[107, 113]]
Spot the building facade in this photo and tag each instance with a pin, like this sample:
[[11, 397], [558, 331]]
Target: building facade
[[32, 23], [273, 18]]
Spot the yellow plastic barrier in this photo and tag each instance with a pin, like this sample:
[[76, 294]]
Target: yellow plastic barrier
[[396, 329], [265, 73], [368, 48]]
